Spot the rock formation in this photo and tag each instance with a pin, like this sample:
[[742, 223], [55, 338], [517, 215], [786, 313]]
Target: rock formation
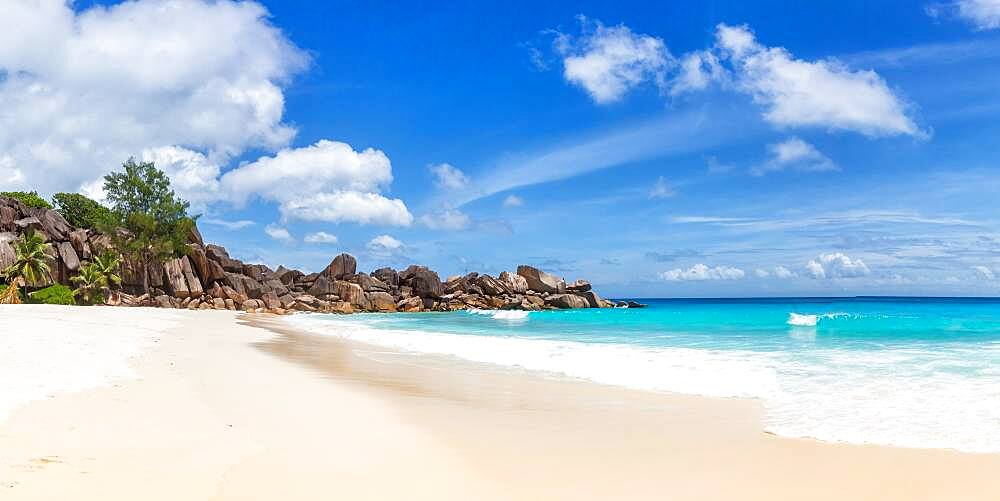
[[207, 277]]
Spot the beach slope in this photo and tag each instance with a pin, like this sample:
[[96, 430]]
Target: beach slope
[[210, 405]]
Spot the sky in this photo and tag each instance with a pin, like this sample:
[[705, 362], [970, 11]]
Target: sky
[[686, 149]]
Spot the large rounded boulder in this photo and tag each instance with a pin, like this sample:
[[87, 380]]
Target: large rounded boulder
[[539, 281]]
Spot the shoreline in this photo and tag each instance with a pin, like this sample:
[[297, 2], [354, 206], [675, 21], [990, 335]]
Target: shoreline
[[226, 409]]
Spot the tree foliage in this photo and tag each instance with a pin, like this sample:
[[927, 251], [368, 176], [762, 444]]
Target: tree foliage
[[28, 198], [155, 221], [53, 294], [81, 211], [31, 263], [89, 283], [97, 276]]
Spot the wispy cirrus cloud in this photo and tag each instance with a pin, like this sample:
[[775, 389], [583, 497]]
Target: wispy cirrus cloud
[[230, 225], [676, 134]]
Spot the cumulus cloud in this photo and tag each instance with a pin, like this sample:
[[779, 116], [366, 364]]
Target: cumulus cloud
[[449, 177], [513, 201], [985, 272], [836, 265], [278, 233], [192, 176], [784, 273], [385, 246], [609, 61], [327, 181], [661, 189], [320, 237], [97, 86], [778, 272], [794, 153], [800, 93], [83, 91], [348, 207], [983, 14], [697, 71], [448, 219], [701, 272]]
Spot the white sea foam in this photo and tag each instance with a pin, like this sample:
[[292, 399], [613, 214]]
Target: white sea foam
[[910, 398], [809, 320], [502, 314], [802, 320], [926, 397], [681, 370], [45, 350]]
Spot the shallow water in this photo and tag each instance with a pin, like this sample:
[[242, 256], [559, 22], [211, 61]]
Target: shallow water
[[891, 371]]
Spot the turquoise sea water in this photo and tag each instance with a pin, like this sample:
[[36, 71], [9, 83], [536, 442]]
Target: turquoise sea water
[[893, 371]]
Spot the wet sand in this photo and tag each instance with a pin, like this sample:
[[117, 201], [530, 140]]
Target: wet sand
[[256, 410]]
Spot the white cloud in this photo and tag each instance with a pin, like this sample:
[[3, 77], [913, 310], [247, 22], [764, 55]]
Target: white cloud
[[513, 201], [697, 71], [816, 270], [784, 273], [448, 219], [85, 90], [449, 177], [824, 93], [385, 246], [661, 189], [348, 207], [609, 61], [700, 272], [192, 176], [985, 272], [324, 167], [836, 265], [794, 153], [230, 225], [778, 272], [984, 14], [327, 181], [320, 237], [278, 233]]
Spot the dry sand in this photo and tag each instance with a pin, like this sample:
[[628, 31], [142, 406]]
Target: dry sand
[[231, 411]]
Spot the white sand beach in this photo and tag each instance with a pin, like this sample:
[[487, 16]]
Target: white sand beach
[[124, 404]]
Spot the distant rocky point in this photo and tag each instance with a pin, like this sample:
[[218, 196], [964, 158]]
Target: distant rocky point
[[208, 278]]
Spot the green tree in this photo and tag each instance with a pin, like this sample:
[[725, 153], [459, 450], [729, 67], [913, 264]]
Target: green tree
[[80, 211], [89, 282], [107, 265], [28, 198], [155, 221], [31, 263]]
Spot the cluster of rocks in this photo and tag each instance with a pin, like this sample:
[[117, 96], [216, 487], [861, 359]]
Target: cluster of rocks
[[209, 278], [340, 288], [71, 248]]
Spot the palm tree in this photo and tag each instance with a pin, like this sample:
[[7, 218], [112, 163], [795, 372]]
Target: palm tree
[[107, 265], [90, 280], [32, 262]]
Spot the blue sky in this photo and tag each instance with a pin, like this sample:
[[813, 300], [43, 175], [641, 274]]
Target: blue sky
[[684, 149]]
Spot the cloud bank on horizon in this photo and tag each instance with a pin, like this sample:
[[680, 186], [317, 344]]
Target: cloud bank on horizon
[[794, 167]]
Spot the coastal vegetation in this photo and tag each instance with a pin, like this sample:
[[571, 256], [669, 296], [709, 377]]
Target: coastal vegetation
[[97, 277], [31, 261], [53, 294], [29, 198], [147, 222], [81, 211]]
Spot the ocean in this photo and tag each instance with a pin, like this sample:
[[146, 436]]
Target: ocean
[[908, 372]]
